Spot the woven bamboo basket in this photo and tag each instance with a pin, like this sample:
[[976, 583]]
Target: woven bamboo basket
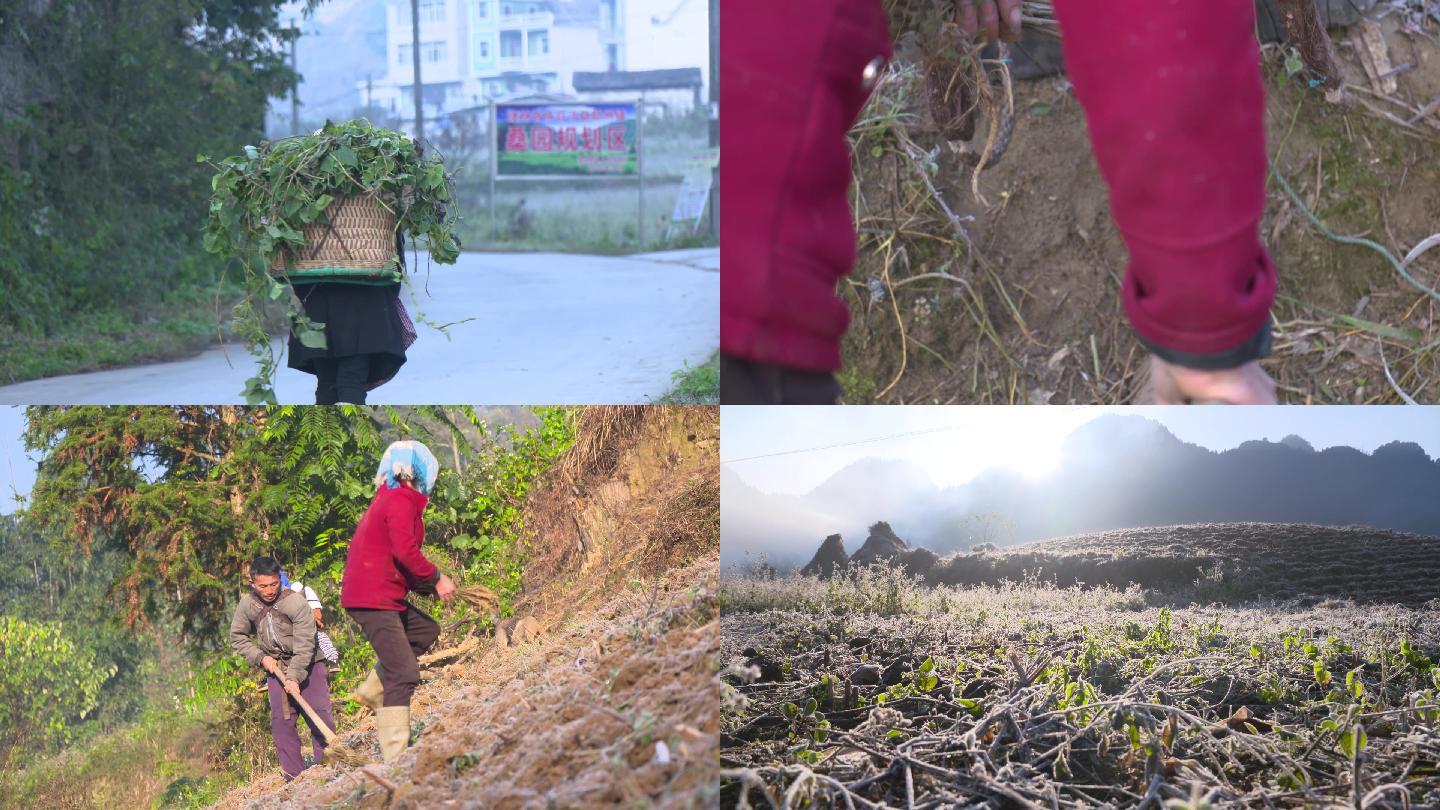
[[356, 245]]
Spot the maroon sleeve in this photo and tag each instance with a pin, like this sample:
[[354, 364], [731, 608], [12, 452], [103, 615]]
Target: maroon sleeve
[[792, 80], [1175, 106], [400, 522]]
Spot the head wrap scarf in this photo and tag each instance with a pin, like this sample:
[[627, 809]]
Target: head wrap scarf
[[410, 460]]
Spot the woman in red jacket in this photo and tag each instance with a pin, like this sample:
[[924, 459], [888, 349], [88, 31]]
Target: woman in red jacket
[[1175, 107], [385, 563]]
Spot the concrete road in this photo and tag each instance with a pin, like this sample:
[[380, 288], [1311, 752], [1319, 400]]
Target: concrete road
[[546, 329]]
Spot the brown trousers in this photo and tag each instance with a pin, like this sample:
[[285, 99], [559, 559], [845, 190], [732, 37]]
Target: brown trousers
[[399, 637]]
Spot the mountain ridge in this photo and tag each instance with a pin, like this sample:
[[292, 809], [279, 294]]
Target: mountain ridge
[[1116, 472]]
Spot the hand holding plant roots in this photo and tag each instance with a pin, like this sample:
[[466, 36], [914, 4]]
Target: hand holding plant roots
[[1001, 19], [479, 597], [958, 83]]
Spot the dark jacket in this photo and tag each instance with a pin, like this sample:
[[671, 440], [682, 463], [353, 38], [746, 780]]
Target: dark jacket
[[286, 632], [384, 561], [1176, 112]]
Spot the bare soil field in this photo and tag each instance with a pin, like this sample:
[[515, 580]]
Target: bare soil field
[[1224, 560]]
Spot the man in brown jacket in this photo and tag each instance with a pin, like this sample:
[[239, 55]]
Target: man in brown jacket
[[274, 628]]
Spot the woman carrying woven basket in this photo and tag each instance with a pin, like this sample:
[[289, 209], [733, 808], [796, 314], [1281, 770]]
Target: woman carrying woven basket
[[329, 213], [367, 332]]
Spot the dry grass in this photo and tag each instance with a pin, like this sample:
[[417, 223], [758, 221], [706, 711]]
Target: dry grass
[[688, 526], [481, 598], [584, 519], [601, 433]]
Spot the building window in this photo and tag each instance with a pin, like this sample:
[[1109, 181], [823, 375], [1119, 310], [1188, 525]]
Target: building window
[[539, 43], [505, 10], [607, 15], [433, 52], [612, 56], [404, 55], [531, 9], [510, 45], [432, 11], [485, 49], [482, 10]]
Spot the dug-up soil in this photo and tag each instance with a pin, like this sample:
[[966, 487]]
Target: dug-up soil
[[616, 703], [1033, 315]]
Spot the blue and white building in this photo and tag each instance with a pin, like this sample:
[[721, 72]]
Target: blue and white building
[[476, 51]]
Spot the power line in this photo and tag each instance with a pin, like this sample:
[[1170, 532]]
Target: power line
[[910, 434]]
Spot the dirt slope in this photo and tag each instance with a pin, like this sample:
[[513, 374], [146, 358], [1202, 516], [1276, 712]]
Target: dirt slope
[[617, 703]]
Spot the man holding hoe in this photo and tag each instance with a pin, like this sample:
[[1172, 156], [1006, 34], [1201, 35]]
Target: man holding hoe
[[274, 628]]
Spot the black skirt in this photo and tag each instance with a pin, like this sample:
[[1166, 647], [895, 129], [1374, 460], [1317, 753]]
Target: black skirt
[[359, 319]]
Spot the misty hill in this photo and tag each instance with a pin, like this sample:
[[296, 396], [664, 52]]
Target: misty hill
[[1115, 472], [891, 487], [777, 528]]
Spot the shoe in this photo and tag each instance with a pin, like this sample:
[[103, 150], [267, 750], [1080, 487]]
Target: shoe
[[394, 731]]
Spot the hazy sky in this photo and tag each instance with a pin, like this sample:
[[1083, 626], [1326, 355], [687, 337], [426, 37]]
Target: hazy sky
[[17, 470], [957, 443], [961, 441]]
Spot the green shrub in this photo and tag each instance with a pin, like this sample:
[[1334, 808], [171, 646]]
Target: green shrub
[[47, 682]]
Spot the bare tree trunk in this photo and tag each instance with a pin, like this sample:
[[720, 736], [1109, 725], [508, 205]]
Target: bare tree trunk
[[1306, 32]]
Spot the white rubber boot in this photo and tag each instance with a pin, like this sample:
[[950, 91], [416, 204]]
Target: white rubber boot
[[393, 723]]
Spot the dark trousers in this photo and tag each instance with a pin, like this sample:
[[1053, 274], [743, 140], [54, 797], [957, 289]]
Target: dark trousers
[[341, 379], [399, 637], [746, 382], [316, 691]]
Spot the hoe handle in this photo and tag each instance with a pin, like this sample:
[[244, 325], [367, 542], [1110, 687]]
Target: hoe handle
[[309, 711]]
